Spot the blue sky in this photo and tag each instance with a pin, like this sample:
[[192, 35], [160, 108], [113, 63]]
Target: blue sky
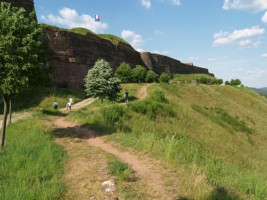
[[226, 36]]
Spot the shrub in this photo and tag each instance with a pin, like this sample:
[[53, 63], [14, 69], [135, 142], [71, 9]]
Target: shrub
[[159, 97], [157, 105], [151, 77], [204, 80], [164, 78], [124, 73], [139, 74], [112, 114]]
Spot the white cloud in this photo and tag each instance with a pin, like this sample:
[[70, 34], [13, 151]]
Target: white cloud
[[176, 2], [158, 32], [248, 37], [245, 5], [70, 18], [220, 34], [218, 59], [134, 39], [248, 43], [193, 58], [256, 74], [160, 52], [264, 18], [264, 55], [146, 3]]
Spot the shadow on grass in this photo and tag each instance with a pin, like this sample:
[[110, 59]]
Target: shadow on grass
[[220, 193], [53, 113], [86, 131], [130, 99]]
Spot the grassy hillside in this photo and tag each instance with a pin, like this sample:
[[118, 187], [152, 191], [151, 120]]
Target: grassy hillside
[[215, 136]]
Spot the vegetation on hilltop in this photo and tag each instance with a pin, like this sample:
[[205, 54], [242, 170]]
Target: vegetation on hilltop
[[113, 39], [82, 31]]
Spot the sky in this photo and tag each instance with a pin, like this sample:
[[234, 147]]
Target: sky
[[228, 37]]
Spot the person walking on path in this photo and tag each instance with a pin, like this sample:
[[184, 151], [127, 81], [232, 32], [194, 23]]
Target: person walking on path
[[126, 95], [69, 104], [55, 105]]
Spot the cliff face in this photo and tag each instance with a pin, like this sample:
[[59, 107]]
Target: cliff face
[[72, 55]]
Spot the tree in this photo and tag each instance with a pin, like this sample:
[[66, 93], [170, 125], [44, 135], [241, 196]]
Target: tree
[[124, 72], [101, 82], [227, 83], [235, 82], [139, 74], [151, 77], [22, 55], [164, 78]]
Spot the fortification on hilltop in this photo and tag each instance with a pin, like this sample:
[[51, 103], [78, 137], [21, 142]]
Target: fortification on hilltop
[[72, 54]]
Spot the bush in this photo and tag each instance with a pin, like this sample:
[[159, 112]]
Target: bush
[[124, 73], [164, 78], [112, 114], [157, 105], [151, 77], [159, 97], [139, 74], [204, 80]]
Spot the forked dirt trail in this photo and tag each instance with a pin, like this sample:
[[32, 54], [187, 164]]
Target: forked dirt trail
[[149, 172]]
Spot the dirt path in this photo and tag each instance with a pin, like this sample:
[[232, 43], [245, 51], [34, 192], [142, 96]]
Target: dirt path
[[149, 171], [16, 117], [142, 92]]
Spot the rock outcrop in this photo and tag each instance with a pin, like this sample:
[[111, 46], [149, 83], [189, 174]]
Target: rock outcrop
[[72, 54]]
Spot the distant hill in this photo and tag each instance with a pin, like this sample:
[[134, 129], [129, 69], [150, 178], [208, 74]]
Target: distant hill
[[262, 91]]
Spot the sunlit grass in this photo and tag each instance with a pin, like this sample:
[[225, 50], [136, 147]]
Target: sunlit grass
[[31, 163]]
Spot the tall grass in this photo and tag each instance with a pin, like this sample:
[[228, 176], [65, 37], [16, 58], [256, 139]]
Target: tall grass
[[31, 163], [196, 137]]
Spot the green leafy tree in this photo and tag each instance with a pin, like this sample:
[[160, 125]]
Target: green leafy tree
[[151, 77], [124, 73], [227, 83], [22, 55], [139, 74], [204, 80], [235, 82], [164, 78], [216, 81], [101, 82]]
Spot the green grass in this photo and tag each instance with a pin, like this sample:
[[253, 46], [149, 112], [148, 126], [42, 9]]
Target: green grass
[[190, 77], [82, 31], [113, 39], [202, 137], [44, 98], [120, 170], [31, 165]]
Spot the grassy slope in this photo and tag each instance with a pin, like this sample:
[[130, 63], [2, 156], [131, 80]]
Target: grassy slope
[[31, 165], [218, 132]]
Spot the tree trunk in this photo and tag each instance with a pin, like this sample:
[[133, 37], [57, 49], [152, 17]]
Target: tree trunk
[[10, 110], [3, 134]]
